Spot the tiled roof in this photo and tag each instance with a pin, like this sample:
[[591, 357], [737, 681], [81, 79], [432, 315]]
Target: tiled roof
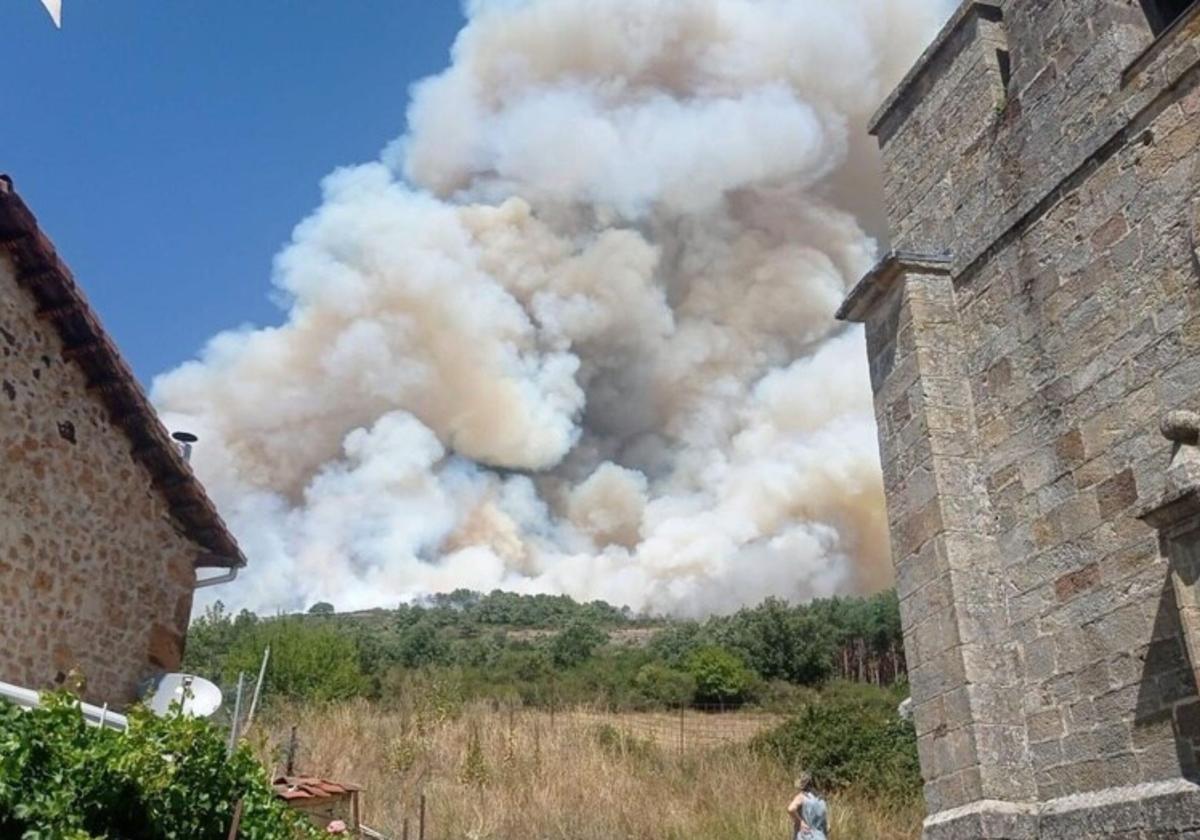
[[62, 304], [310, 787]]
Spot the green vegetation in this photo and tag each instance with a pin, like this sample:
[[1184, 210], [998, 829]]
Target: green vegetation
[[61, 779], [576, 644], [720, 676], [850, 738], [440, 668], [664, 686], [310, 660], [484, 690], [544, 650]]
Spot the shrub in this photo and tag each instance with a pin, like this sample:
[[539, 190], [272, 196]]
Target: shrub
[[576, 644], [309, 660], [665, 686], [785, 697], [852, 737], [721, 677], [404, 752], [475, 769], [431, 696], [163, 778], [421, 645], [620, 742], [675, 642]]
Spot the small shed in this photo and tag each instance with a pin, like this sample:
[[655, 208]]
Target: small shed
[[321, 800]]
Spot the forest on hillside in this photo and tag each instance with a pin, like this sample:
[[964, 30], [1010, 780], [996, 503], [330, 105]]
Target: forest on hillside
[[545, 650]]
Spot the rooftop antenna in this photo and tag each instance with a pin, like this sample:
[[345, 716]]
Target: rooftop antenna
[[54, 7], [185, 441]]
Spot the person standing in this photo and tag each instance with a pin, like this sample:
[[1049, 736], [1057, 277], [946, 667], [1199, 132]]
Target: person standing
[[809, 813]]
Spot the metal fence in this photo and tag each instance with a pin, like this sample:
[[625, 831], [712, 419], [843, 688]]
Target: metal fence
[[684, 729], [678, 732]]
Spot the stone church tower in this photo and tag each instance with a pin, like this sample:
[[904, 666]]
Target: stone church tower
[[1036, 322]]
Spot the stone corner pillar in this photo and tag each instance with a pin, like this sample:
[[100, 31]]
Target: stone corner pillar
[[965, 677]]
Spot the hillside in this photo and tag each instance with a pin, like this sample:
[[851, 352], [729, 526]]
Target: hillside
[[551, 650]]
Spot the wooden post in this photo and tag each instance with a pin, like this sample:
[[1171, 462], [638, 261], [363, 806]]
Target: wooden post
[[421, 820], [236, 825], [291, 753]]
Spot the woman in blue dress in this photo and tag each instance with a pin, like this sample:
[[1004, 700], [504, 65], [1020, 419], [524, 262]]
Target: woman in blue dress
[[809, 814]]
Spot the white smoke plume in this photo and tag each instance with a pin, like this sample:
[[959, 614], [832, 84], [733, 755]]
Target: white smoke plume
[[573, 332]]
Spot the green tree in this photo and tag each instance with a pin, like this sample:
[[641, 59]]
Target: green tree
[[321, 608], [310, 660], [423, 645], [665, 686], [212, 636], [782, 642], [676, 642], [576, 644], [527, 665], [721, 677]]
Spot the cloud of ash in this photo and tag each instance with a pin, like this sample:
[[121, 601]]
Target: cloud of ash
[[573, 332]]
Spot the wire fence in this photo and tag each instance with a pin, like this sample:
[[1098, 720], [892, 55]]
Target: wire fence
[[684, 729], [365, 749]]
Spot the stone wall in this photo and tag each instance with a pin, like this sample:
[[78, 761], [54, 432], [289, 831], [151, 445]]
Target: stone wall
[[93, 575], [1103, 308], [957, 152], [1018, 394]]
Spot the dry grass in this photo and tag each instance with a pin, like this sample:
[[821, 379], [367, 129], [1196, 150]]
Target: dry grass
[[688, 730], [575, 776]]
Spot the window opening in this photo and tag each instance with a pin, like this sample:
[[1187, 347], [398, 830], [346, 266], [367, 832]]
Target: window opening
[[1005, 62]]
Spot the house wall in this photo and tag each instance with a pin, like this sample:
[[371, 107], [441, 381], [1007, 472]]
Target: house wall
[[93, 575], [1041, 628]]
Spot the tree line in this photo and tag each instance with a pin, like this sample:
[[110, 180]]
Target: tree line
[[546, 650]]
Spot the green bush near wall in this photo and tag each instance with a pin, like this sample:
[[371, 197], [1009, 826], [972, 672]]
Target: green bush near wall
[[163, 779], [850, 737]]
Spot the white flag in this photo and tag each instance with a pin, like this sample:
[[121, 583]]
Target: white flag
[[54, 7]]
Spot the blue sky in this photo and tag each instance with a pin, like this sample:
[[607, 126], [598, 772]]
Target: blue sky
[[169, 147]]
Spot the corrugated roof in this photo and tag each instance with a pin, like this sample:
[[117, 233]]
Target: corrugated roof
[[62, 304]]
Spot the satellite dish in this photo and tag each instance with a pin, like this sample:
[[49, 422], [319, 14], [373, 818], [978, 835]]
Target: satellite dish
[[196, 696]]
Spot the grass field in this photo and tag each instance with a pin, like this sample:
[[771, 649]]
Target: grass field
[[675, 731], [491, 773]]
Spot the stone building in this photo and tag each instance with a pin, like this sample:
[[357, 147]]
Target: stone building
[[103, 525], [1038, 316]]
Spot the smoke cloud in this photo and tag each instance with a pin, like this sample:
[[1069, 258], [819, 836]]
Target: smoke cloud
[[573, 332]]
